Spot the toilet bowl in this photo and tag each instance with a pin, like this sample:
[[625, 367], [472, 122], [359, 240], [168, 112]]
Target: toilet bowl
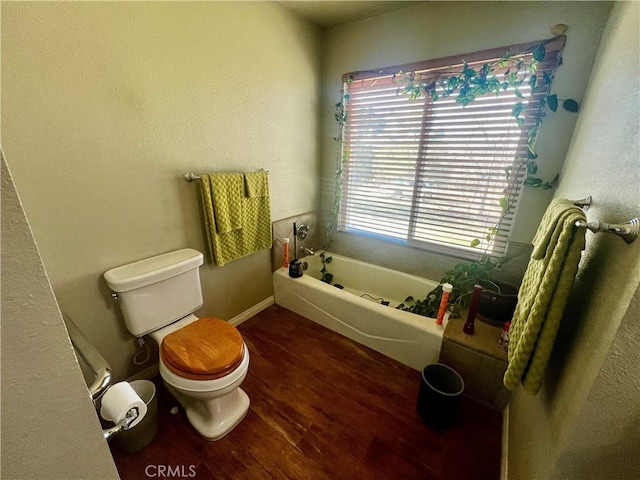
[[214, 406], [202, 361]]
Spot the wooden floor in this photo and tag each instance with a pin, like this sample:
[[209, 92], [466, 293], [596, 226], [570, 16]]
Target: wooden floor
[[322, 407]]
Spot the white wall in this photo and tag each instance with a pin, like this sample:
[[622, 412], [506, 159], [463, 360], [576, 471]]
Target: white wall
[[107, 104], [586, 419], [49, 425], [441, 29]]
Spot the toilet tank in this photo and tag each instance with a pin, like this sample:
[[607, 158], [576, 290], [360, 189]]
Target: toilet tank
[[157, 291]]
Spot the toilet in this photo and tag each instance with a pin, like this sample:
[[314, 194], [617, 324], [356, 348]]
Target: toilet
[[202, 361]]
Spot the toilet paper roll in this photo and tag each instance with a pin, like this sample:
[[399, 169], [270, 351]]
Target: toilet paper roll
[[118, 400]]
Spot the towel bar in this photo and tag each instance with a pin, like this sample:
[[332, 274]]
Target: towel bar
[[190, 176], [583, 203], [628, 230]]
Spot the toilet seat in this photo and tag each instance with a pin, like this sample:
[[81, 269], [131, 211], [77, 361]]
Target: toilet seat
[[206, 349]]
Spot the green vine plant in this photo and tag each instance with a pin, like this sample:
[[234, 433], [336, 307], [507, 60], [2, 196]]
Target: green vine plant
[[342, 156], [509, 73], [463, 277], [467, 83], [325, 276]]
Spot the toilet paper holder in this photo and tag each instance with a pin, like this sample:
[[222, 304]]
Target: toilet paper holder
[[130, 416]]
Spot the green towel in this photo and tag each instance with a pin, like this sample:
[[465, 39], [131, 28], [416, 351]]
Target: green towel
[[253, 235], [558, 244], [256, 184], [227, 194]]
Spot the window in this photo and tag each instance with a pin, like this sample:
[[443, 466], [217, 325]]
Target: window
[[431, 173]]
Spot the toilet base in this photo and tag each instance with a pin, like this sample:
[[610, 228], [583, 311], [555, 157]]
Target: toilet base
[[215, 418], [220, 415]]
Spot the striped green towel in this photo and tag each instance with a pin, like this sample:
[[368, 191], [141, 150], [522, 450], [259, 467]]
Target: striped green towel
[[558, 244]]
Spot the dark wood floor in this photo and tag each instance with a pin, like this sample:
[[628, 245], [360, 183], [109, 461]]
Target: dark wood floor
[[322, 407]]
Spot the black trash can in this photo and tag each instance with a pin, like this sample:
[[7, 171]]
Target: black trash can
[[440, 390]]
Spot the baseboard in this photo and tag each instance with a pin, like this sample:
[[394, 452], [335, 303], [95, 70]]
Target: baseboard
[[247, 314], [504, 459]]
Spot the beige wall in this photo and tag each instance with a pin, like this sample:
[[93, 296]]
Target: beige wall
[[606, 436], [585, 420], [557, 433], [107, 104], [441, 29], [49, 426]]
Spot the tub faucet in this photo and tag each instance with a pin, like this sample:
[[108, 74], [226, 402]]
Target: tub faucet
[[308, 251]]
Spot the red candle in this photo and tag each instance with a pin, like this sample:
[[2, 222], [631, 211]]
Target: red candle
[[473, 308]]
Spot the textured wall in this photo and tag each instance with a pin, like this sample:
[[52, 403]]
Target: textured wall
[[606, 437], [441, 29], [586, 416], [49, 426], [107, 104]]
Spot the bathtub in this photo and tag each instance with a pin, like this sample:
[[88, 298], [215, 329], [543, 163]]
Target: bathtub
[[411, 339]]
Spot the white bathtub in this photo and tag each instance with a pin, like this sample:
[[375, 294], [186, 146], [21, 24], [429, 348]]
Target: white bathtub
[[411, 339]]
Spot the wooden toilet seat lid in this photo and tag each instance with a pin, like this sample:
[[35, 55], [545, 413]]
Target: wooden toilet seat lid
[[206, 349]]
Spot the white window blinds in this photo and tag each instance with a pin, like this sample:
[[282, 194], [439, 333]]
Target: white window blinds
[[432, 173]]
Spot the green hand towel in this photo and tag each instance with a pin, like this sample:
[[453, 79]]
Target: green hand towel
[[256, 184], [227, 192], [558, 244]]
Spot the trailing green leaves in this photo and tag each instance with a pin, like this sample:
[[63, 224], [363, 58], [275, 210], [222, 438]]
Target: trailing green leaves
[[536, 182], [570, 105], [516, 112], [463, 277], [552, 183], [533, 182], [342, 157], [518, 74], [539, 52], [325, 276], [509, 73]]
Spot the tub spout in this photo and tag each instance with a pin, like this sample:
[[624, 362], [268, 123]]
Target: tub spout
[[308, 251]]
